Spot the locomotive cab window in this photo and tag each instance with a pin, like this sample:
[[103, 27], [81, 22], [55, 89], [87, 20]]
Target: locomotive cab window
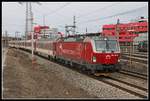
[[100, 45], [106, 45], [113, 45]]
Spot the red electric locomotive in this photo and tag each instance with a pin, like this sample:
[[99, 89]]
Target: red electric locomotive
[[92, 52]]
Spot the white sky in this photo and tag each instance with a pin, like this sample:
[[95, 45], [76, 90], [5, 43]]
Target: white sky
[[13, 14]]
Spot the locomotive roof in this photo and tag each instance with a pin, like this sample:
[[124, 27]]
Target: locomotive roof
[[80, 38]]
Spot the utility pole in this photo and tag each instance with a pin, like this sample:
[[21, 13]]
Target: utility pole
[[117, 34], [31, 30], [86, 30], [130, 47], [117, 30], [66, 29], [6, 40], [44, 24], [26, 23], [74, 25], [16, 37]]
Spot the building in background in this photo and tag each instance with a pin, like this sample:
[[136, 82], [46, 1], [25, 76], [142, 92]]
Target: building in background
[[128, 32], [141, 37], [44, 32]]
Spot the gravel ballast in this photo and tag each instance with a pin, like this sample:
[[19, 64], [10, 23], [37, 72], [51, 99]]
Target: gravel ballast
[[92, 86], [22, 80]]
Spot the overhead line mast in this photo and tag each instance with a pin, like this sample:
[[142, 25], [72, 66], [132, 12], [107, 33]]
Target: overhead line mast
[[29, 26], [71, 28]]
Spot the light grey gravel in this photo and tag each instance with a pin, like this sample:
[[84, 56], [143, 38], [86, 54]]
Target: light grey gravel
[[92, 86]]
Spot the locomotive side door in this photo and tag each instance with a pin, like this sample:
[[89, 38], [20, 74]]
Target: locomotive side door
[[87, 52], [83, 52]]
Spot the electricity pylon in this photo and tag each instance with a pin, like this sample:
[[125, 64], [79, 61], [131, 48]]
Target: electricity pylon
[[29, 18]]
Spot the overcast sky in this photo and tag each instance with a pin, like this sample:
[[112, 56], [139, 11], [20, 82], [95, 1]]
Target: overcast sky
[[88, 14]]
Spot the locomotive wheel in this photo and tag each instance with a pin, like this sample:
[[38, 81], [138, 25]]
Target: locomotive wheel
[[92, 71], [62, 61], [49, 57], [89, 72], [65, 62], [36, 53], [54, 58], [83, 68], [118, 69], [58, 60], [71, 64]]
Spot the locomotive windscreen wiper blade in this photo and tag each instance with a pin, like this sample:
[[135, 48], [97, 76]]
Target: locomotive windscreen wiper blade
[[112, 51]]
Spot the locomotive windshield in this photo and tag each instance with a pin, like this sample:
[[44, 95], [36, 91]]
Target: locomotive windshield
[[106, 45]]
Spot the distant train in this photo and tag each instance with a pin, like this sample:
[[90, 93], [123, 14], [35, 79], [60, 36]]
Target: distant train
[[143, 46], [91, 52]]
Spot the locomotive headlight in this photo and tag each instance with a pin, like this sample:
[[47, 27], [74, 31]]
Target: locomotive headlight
[[94, 59]]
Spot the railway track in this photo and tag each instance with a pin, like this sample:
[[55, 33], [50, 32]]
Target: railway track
[[128, 87], [135, 74], [136, 59], [132, 89], [124, 61], [130, 84], [136, 55], [140, 53]]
